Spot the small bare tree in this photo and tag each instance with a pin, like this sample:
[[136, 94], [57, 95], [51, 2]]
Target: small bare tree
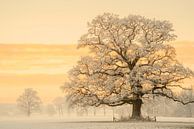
[[29, 102]]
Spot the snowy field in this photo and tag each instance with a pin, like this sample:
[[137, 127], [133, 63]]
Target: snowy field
[[60, 124]]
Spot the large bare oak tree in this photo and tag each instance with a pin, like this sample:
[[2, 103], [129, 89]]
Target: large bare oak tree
[[131, 60]]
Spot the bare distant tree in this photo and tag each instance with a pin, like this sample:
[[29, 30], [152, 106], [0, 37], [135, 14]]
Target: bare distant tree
[[50, 109], [29, 102], [131, 61], [59, 104], [104, 110]]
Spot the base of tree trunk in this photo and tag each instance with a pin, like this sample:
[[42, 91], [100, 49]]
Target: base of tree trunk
[[136, 118], [131, 119], [142, 119]]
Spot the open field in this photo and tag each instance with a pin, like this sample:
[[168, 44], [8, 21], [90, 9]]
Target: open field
[[59, 124]]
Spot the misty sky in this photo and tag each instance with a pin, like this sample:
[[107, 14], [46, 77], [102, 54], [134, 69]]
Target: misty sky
[[64, 21]]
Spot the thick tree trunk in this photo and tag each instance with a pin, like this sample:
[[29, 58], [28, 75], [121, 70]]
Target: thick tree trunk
[[136, 109]]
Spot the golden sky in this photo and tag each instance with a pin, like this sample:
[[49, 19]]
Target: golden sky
[[45, 67], [63, 21], [27, 25], [42, 67]]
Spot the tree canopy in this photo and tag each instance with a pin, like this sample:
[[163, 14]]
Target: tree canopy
[[131, 60]]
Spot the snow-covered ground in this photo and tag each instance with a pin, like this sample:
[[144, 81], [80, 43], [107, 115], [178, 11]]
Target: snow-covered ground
[[175, 119], [61, 124]]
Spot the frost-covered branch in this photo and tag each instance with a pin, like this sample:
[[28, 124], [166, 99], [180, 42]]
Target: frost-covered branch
[[130, 60]]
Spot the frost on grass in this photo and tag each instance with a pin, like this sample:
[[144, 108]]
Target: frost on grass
[[84, 125]]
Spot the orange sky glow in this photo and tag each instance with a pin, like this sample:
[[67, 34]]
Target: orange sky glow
[[42, 67], [45, 67]]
